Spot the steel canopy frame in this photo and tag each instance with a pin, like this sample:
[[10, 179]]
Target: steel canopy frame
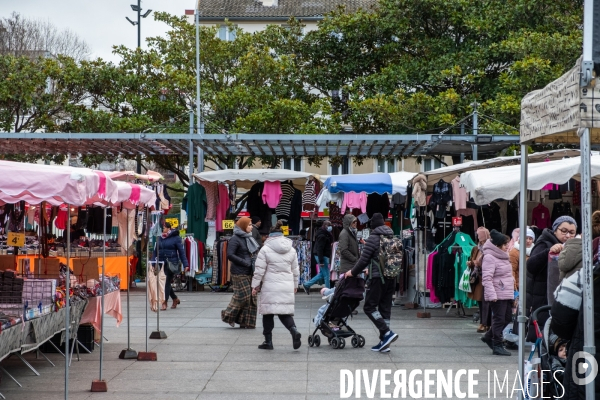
[[247, 145]]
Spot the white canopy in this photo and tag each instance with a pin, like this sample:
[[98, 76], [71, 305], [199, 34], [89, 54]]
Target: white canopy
[[246, 177], [450, 172], [504, 182]]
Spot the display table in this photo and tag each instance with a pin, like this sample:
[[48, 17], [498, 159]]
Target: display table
[[93, 311], [31, 334]]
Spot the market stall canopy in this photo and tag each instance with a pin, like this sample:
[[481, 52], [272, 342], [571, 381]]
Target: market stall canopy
[[452, 171], [149, 176], [488, 185], [555, 113], [245, 178], [35, 183], [129, 195], [381, 183]]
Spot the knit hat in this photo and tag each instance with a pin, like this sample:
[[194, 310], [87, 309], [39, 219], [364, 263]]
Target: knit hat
[[498, 238], [377, 220], [530, 233], [243, 223], [255, 220], [560, 220]]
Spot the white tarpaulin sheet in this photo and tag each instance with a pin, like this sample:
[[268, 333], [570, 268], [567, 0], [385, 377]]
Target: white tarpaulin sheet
[[249, 176], [488, 185]]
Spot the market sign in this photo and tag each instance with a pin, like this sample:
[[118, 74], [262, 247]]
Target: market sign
[[173, 221], [228, 224], [15, 239], [285, 230]]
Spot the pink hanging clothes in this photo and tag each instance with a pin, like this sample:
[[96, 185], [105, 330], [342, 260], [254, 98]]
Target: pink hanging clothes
[[222, 207], [432, 297], [272, 194], [356, 200], [459, 194]]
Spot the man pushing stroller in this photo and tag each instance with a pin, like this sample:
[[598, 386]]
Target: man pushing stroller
[[382, 255]]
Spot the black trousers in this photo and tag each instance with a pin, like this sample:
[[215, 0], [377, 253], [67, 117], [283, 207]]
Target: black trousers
[[269, 322], [501, 316], [378, 303], [168, 288]]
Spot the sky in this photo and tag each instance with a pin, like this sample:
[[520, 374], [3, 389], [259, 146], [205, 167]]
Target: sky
[[101, 23]]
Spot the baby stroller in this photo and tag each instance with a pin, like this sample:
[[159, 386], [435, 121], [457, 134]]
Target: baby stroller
[[346, 298], [548, 361]]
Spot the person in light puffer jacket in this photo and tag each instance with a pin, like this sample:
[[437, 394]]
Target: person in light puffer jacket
[[499, 284], [276, 277]]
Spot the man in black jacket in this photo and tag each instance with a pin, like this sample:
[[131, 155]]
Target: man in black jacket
[[256, 223], [323, 242], [380, 290]]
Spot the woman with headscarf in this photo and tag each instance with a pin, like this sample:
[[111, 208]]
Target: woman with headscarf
[[240, 250], [513, 254], [550, 241], [169, 249]]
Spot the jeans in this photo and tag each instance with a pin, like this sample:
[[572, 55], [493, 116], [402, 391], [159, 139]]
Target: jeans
[[269, 322], [501, 316], [322, 276], [168, 288], [378, 303]]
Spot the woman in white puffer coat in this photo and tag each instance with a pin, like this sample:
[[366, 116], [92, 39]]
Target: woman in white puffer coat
[[276, 277]]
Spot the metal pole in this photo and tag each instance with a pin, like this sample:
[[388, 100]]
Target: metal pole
[[475, 127], [147, 280], [128, 285], [462, 132], [103, 293], [191, 150], [199, 120], [521, 318], [138, 24], [588, 268], [68, 316]]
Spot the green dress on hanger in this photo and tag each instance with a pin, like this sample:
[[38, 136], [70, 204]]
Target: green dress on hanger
[[460, 264]]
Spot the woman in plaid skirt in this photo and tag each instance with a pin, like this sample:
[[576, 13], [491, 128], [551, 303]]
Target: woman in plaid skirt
[[240, 249]]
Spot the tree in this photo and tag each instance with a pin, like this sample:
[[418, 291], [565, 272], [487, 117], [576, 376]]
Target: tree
[[34, 38], [246, 87]]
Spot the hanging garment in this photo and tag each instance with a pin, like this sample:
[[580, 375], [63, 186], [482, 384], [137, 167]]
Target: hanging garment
[[378, 203], [156, 291], [284, 206], [512, 217], [195, 205], [212, 199], [459, 194], [432, 297], [540, 217], [335, 215], [325, 197], [232, 196], [222, 207], [489, 217], [124, 219], [309, 198], [295, 213], [61, 219], [272, 193], [442, 195], [355, 200]]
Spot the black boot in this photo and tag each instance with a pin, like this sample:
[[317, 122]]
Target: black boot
[[488, 342], [268, 343], [296, 337], [499, 350]]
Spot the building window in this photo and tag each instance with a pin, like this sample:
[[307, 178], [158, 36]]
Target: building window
[[429, 164], [341, 169], [227, 33], [384, 165], [294, 164]]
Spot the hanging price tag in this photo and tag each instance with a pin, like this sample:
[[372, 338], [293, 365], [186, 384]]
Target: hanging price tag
[[286, 230], [15, 239], [228, 224]]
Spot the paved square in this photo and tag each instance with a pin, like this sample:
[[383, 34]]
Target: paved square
[[204, 358]]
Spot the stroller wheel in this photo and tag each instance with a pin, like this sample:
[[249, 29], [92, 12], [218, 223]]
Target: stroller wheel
[[361, 341], [311, 342], [355, 341], [335, 343], [342, 343], [317, 340]]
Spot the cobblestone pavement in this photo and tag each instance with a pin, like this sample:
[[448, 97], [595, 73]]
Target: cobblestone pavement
[[203, 358]]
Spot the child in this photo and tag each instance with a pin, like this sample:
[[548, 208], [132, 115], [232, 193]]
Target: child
[[559, 359], [327, 294]]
